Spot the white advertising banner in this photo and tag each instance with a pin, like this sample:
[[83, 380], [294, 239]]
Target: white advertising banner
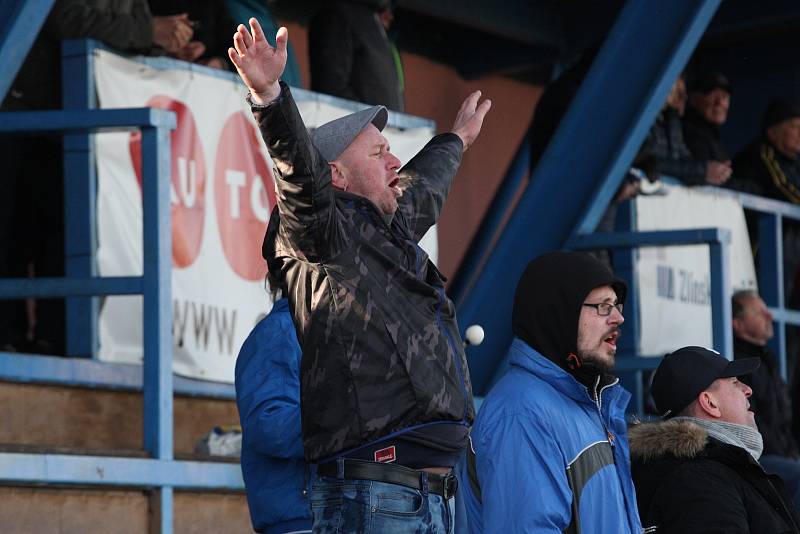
[[675, 282], [221, 196]]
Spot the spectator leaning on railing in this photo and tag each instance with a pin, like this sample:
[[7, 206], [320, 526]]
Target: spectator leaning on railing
[[666, 147], [769, 166], [709, 101]]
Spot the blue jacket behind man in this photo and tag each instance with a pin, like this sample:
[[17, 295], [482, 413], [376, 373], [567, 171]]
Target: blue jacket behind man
[[276, 477]]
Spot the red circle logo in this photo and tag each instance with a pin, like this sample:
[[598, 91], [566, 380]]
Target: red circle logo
[[188, 182], [244, 194]]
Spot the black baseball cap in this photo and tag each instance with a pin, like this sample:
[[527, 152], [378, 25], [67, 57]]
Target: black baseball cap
[[708, 81], [687, 372]]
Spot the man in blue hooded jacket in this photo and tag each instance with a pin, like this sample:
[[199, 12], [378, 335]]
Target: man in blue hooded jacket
[[276, 477], [549, 447]]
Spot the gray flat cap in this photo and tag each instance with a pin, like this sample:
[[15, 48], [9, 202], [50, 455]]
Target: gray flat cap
[[332, 138]]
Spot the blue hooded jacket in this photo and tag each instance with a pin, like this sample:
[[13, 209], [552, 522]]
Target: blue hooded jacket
[[544, 448], [276, 478]]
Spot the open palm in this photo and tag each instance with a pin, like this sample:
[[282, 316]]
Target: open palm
[[259, 65]]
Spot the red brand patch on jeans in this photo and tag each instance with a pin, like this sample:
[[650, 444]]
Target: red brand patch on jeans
[[386, 455]]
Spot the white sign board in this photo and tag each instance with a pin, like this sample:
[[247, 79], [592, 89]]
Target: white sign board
[[675, 282], [221, 196]]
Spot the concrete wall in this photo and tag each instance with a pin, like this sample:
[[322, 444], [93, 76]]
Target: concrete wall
[[81, 511], [65, 417]]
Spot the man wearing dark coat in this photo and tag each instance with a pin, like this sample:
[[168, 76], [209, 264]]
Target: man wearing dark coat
[[698, 470], [709, 101], [752, 330], [386, 399], [351, 54]]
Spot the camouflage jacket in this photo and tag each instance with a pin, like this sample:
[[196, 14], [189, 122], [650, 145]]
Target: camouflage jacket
[[381, 347]]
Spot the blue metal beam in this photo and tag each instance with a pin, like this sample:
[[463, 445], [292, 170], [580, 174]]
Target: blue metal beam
[[20, 22], [74, 372], [656, 238], [587, 158], [80, 194], [15, 288], [22, 468], [94, 120], [157, 309]]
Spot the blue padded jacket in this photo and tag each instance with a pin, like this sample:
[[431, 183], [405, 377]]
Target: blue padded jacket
[[544, 450], [276, 478]]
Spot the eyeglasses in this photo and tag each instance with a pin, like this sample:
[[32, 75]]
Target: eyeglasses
[[604, 308]]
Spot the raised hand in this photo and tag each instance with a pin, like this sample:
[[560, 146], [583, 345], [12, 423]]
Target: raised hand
[[259, 65], [469, 120]]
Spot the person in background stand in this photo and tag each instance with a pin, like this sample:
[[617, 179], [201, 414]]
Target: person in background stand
[[752, 330], [666, 148], [709, 101], [351, 55], [212, 27]]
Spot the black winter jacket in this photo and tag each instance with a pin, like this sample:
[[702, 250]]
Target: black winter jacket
[[381, 347], [667, 148], [351, 56], [763, 170], [703, 138], [688, 482]]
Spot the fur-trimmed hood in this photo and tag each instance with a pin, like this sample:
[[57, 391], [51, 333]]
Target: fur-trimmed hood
[[681, 439]]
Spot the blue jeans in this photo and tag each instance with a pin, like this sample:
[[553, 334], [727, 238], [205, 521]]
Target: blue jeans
[[341, 506]]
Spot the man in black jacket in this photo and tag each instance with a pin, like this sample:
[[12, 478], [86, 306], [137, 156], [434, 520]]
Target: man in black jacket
[[709, 101], [351, 55], [386, 399], [752, 330], [698, 470]]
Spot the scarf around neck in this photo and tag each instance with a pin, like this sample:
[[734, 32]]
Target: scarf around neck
[[743, 436]]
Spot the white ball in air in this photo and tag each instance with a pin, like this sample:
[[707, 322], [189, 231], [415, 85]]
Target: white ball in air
[[474, 335]]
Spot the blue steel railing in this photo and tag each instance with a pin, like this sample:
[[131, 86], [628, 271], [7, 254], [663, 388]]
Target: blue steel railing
[[769, 269], [155, 286]]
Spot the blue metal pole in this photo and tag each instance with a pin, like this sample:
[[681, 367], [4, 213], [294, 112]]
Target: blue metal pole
[[80, 195], [721, 295], [594, 145], [625, 267], [161, 510], [157, 308], [770, 278], [157, 311]]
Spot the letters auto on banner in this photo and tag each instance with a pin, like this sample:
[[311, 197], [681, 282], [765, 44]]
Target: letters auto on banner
[[221, 195]]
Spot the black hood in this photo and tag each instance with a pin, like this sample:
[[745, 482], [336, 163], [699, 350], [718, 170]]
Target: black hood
[[548, 299]]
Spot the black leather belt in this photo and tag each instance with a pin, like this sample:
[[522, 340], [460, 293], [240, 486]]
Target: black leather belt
[[444, 485]]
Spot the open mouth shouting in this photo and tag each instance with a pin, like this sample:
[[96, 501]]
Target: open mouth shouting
[[611, 339], [394, 185]]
